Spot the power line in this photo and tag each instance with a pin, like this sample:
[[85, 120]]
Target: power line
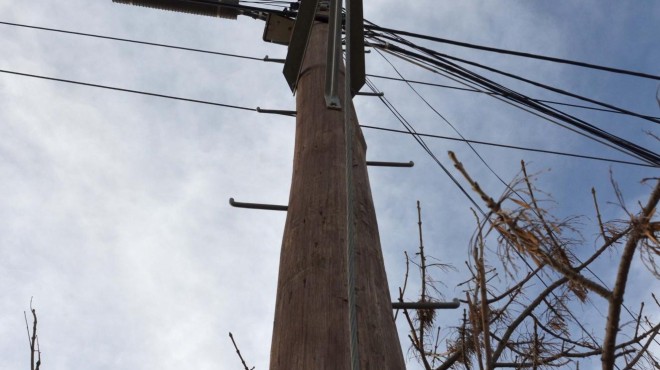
[[587, 268], [503, 96], [511, 52], [510, 146], [446, 121], [267, 59], [128, 90], [132, 41], [411, 130], [467, 75], [500, 93], [490, 93], [443, 58], [263, 111], [417, 137], [365, 126]]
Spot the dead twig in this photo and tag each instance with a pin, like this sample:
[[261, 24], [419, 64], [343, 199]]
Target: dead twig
[[33, 339], [239, 353]]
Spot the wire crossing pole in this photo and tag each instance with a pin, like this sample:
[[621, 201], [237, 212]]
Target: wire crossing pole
[[311, 329]]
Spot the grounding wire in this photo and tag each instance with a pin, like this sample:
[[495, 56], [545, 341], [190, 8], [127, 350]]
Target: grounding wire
[[511, 147], [501, 96], [648, 155], [511, 52]]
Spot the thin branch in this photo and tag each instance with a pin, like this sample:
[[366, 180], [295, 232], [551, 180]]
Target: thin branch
[[424, 318], [402, 291], [644, 349], [485, 312], [616, 301], [528, 240], [639, 318], [530, 308], [239, 352], [600, 220]]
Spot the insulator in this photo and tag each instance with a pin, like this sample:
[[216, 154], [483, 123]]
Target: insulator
[[208, 9]]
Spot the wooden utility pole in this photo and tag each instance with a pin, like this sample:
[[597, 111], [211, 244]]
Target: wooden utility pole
[[311, 328]]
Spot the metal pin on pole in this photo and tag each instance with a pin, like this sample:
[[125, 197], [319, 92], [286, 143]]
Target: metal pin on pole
[[391, 164], [269, 207]]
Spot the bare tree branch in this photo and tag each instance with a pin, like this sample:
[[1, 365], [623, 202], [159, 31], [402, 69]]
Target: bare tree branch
[[639, 227]]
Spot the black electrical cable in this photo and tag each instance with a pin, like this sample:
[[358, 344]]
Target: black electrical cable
[[128, 90], [411, 130], [365, 126], [446, 65], [501, 97], [511, 52], [510, 75], [490, 93], [130, 41], [596, 276], [474, 150], [266, 60], [511, 146], [583, 329]]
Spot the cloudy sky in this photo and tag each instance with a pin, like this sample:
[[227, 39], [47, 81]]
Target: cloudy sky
[[114, 206]]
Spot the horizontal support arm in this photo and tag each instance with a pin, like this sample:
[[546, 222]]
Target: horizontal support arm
[[270, 207], [426, 305], [391, 164]]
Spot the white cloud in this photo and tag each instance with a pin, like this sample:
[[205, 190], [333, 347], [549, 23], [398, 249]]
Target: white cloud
[[114, 209]]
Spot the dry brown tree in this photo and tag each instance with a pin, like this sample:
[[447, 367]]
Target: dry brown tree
[[525, 282]]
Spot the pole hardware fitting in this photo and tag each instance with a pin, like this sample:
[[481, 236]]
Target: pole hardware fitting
[[426, 305], [391, 164], [371, 93], [291, 113], [269, 207], [273, 60]]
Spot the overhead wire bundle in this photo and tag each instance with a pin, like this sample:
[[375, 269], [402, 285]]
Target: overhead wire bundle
[[449, 67]]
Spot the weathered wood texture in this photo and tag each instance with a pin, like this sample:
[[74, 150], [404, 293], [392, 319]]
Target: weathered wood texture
[[311, 330]]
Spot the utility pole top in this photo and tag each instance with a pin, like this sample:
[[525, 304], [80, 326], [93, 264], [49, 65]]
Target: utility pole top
[[308, 12]]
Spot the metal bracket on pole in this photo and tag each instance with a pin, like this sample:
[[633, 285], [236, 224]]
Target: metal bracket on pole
[[371, 93], [426, 305], [298, 44], [356, 42], [291, 113], [269, 207], [333, 56], [273, 60], [391, 164]]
